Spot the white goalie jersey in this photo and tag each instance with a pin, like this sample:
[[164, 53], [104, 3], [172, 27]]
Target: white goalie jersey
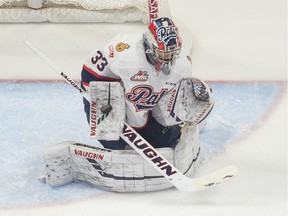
[[171, 97], [123, 59]]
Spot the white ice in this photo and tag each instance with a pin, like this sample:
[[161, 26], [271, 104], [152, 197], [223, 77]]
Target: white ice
[[233, 40]]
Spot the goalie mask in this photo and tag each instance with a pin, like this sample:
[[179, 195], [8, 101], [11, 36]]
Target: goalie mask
[[162, 44]]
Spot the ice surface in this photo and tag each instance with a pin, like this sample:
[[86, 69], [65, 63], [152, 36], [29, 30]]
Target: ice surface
[[35, 115]]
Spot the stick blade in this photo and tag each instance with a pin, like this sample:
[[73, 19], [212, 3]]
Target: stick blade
[[216, 177]]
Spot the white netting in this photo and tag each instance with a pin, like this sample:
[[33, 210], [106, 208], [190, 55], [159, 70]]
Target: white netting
[[75, 11], [79, 10]]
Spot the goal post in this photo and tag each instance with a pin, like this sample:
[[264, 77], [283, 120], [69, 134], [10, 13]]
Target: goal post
[[116, 11]]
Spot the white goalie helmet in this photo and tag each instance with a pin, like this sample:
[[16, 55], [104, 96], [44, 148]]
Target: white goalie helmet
[[162, 44]]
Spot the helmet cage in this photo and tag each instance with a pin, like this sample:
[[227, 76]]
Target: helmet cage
[[166, 56]]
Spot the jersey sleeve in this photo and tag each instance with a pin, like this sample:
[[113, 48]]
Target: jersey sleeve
[[113, 63], [97, 68]]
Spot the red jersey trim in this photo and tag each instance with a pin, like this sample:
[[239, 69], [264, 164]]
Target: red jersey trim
[[85, 84]]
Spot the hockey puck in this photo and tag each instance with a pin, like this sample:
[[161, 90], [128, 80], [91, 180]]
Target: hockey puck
[[106, 109]]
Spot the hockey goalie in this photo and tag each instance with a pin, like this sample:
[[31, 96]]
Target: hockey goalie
[[145, 81]]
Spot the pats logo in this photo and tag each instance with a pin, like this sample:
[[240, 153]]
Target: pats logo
[[140, 76], [166, 33], [144, 97]]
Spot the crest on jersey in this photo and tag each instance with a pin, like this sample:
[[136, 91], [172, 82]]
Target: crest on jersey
[[143, 97], [140, 76], [122, 46]]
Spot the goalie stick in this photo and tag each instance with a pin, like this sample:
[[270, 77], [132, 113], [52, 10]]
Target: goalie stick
[[148, 152]]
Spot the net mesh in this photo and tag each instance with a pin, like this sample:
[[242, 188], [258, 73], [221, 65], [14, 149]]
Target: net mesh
[[75, 11], [79, 10]]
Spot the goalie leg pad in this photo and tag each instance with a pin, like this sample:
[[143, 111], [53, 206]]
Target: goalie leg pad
[[187, 150], [118, 170], [112, 170], [57, 161]]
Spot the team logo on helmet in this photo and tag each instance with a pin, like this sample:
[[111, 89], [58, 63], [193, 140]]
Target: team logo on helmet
[[166, 34]]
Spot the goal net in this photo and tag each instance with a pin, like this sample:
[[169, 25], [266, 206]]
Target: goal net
[[116, 11], [89, 11]]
